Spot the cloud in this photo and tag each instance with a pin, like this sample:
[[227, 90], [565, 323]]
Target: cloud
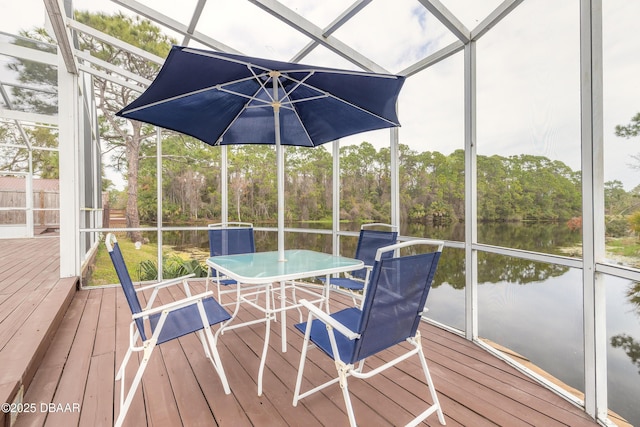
[[527, 74]]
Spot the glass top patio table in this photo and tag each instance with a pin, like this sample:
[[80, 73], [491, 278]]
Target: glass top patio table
[[261, 267], [264, 267]]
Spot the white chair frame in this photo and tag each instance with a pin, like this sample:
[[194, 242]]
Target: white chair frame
[[346, 370]]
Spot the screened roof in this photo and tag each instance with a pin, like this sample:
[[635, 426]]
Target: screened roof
[[527, 61], [490, 77]]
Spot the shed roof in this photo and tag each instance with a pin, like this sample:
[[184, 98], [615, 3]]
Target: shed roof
[[14, 183]]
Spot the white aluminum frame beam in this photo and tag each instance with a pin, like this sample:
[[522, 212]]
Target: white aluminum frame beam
[[22, 52], [496, 16], [448, 19], [28, 117], [470, 192], [58, 18], [69, 141], [87, 57], [78, 26], [332, 27], [7, 101], [194, 22], [434, 58], [592, 137], [174, 25], [314, 32]]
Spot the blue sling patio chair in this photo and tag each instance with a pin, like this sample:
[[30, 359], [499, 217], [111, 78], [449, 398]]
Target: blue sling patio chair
[[390, 315], [228, 238], [232, 238], [369, 241], [152, 326]]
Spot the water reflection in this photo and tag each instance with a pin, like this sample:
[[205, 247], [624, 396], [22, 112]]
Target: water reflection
[[626, 342], [629, 345]]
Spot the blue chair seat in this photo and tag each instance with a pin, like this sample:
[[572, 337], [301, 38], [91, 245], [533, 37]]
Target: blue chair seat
[[186, 320], [350, 317], [346, 283]]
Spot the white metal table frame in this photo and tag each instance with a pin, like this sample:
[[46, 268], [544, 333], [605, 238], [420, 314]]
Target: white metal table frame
[[264, 267]]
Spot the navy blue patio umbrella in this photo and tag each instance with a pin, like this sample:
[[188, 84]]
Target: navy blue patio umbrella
[[225, 99]]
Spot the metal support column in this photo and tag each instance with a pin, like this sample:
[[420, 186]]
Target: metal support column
[[68, 138], [395, 177], [335, 148], [159, 199], [470, 191], [594, 311]]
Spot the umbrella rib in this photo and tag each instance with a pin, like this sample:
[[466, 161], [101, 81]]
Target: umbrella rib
[[262, 87], [220, 87], [329, 95], [298, 83], [250, 97]]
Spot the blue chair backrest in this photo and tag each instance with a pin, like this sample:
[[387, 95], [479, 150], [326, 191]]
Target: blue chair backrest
[[397, 292], [368, 244], [126, 284], [230, 241]]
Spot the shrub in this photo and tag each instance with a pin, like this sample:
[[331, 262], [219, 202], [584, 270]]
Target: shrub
[[575, 223], [634, 222], [617, 226], [172, 267]]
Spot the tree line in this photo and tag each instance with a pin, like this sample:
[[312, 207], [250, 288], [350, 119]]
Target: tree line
[[513, 188]]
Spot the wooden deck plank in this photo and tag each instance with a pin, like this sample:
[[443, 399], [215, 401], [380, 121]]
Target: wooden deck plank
[[517, 385], [225, 408], [46, 380], [70, 390], [99, 388], [32, 312], [180, 386]]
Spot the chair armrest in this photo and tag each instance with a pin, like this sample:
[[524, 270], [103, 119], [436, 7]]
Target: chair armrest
[[173, 305], [165, 283], [328, 320]]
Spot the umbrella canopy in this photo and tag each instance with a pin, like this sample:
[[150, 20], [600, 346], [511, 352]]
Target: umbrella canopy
[[222, 98]]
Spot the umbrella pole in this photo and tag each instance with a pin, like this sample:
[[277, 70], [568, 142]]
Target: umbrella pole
[[279, 165]]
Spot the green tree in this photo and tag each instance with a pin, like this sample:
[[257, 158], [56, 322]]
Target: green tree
[[123, 137], [631, 131], [37, 93]]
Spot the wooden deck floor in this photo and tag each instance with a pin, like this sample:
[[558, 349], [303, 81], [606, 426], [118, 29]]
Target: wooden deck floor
[[66, 359], [33, 300], [181, 388]]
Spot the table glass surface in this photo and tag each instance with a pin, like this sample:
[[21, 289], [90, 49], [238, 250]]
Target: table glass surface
[[258, 267]]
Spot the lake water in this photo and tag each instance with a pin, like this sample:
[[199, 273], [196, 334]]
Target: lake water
[[532, 308]]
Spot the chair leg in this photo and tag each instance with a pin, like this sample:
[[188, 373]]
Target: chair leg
[[434, 396], [133, 338], [123, 365], [205, 346], [214, 357], [303, 358], [297, 396], [124, 405], [342, 375]]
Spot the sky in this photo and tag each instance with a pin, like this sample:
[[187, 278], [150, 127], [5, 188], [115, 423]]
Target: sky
[[527, 73]]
